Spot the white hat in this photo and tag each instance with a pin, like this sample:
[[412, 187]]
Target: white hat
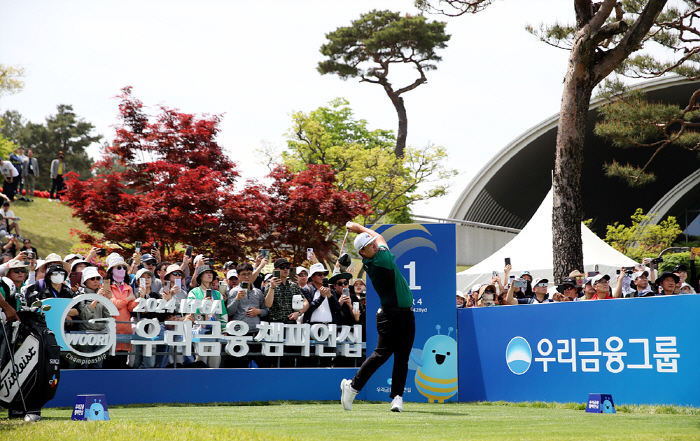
[[639, 274], [78, 262], [197, 258], [53, 258], [89, 273], [16, 264], [599, 277], [113, 260], [540, 280], [475, 288], [317, 268], [461, 294], [231, 273], [364, 239], [140, 273], [72, 256], [301, 268]]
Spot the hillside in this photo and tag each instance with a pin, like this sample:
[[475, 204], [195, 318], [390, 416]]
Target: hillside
[[48, 225]]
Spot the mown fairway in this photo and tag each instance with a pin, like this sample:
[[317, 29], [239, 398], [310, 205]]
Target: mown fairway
[[327, 421]]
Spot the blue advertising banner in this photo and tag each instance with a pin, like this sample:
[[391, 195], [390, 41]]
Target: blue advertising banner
[[426, 257], [641, 351]]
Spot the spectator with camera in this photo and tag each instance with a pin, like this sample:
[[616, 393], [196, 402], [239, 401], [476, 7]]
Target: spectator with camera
[[205, 291], [27, 246], [540, 295], [172, 283], [124, 299], [91, 283], [246, 303], [323, 304], [280, 292]]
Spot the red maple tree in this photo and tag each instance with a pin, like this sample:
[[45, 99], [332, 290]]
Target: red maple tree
[[178, 187], [302, 208]]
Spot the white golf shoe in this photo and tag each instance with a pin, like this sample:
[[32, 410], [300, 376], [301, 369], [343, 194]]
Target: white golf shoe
[[397, 404], [347, 394]]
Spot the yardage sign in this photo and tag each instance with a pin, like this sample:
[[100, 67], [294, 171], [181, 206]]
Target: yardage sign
[[426, 256]]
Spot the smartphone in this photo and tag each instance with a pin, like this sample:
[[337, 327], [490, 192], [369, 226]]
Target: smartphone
[[245, 285], [355, 306], [142, 282], [346, 292], [101, 252], [309, 252], [178, 283], [292, 272], [138, 247], [75, 278], [277, 273], [166, 286], [264, 253], [155, 245], [188, 251], [30, 255], [520, 283], [494, 274], [208, 293], [325, 282], [592, 273], [507, 260], [209, 261]]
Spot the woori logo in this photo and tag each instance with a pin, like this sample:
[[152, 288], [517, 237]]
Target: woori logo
[[518, 355]]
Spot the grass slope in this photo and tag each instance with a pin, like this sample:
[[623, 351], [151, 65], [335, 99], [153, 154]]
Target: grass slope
[[48, 225], [324, 421]]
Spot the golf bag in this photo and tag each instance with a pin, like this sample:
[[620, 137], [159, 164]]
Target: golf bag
[[36, 364]]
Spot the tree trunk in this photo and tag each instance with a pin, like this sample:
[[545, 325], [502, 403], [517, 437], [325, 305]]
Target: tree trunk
[[567, 210], [403, 123]]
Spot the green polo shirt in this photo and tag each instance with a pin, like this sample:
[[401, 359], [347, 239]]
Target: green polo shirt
[[387, 280]]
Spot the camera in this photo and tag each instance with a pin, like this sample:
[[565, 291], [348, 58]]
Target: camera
[[209, 261], [101, 252], [245, 286], [208, 293], [324, 282], [520, 283], [30, 255], [138, 247], [188, 251], [657, 260]]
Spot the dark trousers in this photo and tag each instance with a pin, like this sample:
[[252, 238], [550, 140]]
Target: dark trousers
[[396, 330], [8, 188], [56, 186]]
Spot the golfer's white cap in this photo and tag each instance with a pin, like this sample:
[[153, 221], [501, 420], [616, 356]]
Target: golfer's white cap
[[363, 239]]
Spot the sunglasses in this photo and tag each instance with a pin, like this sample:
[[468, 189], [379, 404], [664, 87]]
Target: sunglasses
[[346, 283], [541, 284], [19, 270], [567, 288], [285, 267], [120, 267], [177, 274], [94, 279]]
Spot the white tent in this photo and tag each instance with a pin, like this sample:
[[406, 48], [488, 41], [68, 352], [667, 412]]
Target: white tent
[[531, 250]]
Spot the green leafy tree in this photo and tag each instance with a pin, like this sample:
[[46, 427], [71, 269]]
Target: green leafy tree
[[601, 42], [10, 79], [64, 131], [642, 238], [364, 160], [630, 121], [377, 40]]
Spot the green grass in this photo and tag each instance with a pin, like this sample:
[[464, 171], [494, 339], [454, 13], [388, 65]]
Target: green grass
[[48, 225], [327, 421]]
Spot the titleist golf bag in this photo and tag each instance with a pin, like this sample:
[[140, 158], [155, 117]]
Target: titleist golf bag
[[36, 368]]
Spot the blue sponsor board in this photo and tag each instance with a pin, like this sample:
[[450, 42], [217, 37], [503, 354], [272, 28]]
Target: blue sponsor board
[[642, 351], [426, 256]]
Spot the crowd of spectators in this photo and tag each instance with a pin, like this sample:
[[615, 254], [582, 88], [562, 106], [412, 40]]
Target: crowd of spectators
[[286, 294], [640, 280]]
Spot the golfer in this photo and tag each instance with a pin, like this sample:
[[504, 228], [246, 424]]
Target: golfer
[[396, 324]]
